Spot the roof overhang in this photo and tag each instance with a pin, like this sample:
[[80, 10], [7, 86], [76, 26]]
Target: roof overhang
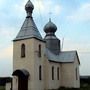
[[21, 73], [78, 57]]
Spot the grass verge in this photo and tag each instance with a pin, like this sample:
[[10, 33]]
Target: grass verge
[[2, 88]]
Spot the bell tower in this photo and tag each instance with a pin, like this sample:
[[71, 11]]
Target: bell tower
[[29, 29], [28, 53]]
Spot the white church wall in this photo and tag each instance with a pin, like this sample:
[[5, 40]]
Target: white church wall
[[67, 75], [77, 74], [55, 83], [15, 83], [27, 62], [46, 73], [32, 62], [8, 86], [38, 61]]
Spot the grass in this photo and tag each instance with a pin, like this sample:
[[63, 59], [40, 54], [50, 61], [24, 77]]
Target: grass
[[82, 88], [2, 88], [62, 88]]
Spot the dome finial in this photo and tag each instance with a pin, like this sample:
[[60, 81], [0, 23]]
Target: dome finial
[[50, 14], [29, 8], [49, 19]]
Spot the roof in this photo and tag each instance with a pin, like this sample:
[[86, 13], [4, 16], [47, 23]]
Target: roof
[[22, 73], [63, 57], [28, 30]]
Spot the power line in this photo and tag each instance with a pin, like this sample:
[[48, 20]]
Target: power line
[[40, 10], [62, 44]]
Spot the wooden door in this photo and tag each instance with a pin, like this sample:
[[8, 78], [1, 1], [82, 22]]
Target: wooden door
[[22, 83]]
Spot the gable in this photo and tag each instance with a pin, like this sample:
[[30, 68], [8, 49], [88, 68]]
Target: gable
[[77, 58]]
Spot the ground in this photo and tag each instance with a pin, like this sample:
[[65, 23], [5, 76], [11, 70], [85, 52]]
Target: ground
[[76, 89], [82, 88], [2, 88]]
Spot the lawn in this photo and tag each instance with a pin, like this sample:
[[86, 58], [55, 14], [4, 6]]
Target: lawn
[[82, 88], [2, 88]]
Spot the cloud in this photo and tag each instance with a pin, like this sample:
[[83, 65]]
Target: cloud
[[6, 53], [1, 2], [20, 6], [82, 14], [6, 68], [85, 63], [81, 47], [40, 6], [57, 9], [7, 34], [46, 8]]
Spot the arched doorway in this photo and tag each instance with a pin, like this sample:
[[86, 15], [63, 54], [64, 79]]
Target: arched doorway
[[22, 79]]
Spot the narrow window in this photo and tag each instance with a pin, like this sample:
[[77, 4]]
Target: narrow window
[[76, 74], [58, 73], [40, 72], [52, 73], [23, 50], [59, 43], [39, 50]]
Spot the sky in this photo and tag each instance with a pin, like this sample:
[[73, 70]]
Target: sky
[[72, 18]]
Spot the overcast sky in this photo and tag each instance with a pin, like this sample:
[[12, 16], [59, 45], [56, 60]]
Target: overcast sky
[[72, 18]]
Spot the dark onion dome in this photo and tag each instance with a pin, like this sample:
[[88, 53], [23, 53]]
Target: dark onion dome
[[29, 6], [50, 27]]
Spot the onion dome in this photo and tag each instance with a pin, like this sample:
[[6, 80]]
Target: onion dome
[[50, 27], [29, 8], [52, 42]]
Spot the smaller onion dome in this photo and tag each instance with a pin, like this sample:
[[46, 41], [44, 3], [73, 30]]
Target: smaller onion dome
[[29, 7], [50, 27]]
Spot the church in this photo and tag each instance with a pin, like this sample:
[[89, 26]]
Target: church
[[39, 63]]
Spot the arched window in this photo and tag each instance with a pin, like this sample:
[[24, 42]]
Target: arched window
[[76, 74], [57, 73], [23, 50], [39, 50], [40, 72], [52, 72]]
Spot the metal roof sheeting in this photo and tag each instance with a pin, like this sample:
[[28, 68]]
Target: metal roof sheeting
[[64, 56], [28, 30]]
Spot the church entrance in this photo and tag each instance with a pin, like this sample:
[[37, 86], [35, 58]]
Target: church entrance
[[22, 83], [22, 79]]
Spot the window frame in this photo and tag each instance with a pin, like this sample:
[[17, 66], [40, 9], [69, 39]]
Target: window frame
[[23, 49], [76, 70], [52, 72], [58, 73], [39, 50], [40, 72]]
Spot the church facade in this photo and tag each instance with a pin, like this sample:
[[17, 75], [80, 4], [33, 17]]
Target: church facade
[[39, 63]]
